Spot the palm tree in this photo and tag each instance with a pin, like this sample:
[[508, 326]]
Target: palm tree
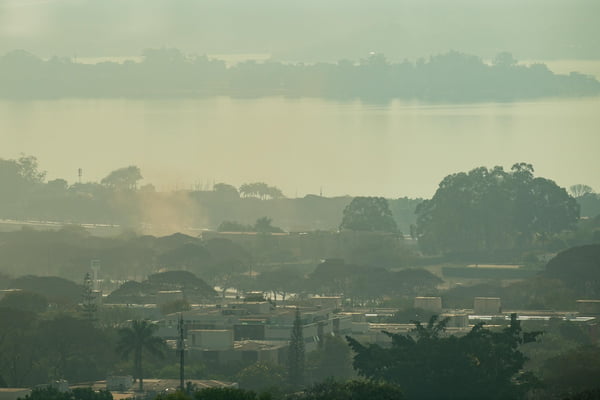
[[137, 339]]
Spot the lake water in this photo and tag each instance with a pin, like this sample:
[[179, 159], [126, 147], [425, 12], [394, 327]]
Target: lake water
[[304, 145]]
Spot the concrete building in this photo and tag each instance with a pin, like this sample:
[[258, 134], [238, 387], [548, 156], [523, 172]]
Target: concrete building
[[252, 330], [487, 305], [247, 351], [457, 320], [210, 339]]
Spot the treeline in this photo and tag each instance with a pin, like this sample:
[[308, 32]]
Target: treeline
[[486, 214], [120, 199], [130, 265], [165, 72]]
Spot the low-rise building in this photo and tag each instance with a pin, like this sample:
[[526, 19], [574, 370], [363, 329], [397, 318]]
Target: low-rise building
[[487, 305]]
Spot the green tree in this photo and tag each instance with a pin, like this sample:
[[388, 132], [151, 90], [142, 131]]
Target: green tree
[[429, 365], [225, 191], [572, 371], [233, 226], [228, 394], [332, 360], [50, 393], [137, 339], [593, 394], [350, 390], [579, 268], [504, 60], [488, 210], [280, 281], [17, 341], [260, 377], [25, 301], [580, 190], [368, 214], [296, 353], [123, 178], [260, 190], [17, 179], [264, 225], [73, 349], [274, 192]]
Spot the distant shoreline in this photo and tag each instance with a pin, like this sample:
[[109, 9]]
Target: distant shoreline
[[168, 73]]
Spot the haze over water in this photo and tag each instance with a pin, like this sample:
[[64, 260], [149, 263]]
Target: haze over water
[[302, 145]]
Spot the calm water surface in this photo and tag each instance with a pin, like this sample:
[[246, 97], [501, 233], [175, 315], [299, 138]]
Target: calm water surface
[[302, 145]]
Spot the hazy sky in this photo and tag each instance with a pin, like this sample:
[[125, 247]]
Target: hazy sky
[[304, 30], [302, 145]]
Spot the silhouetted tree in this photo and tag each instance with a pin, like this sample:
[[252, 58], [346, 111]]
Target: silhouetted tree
[[579, 268], [123, 178], [486, 210], [429, 365], [280, 281], [260, 376], [368, 214], [580, 190], [350, 390], [137, 339], [264, 225], [25, 301], [226, 191], [573, 371], [50, 393]]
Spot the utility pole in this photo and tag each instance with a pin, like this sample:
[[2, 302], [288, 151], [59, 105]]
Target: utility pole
[[181, 350]]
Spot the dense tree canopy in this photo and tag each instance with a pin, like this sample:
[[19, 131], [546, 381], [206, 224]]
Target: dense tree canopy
[[18, 178], [260, 190], [25, 301], [136, 340], [572, 371], [426, 364], [50, 393], [351, 390], [279, 281], [192, 287], [487, 210], [36, 349], [368, 214], [363, 284], [333, 359], [123, 178], [578, 268]]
